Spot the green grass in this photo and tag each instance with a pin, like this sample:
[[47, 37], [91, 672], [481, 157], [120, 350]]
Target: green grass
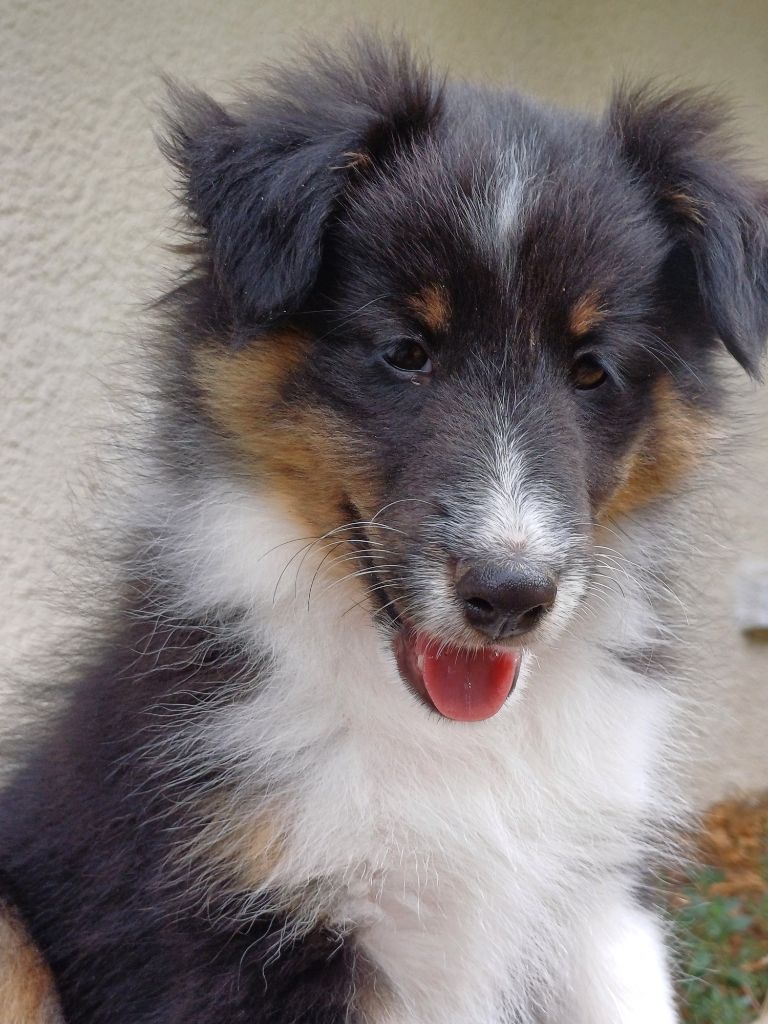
[[723, 941]]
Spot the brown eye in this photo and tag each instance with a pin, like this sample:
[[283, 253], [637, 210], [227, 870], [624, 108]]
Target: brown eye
[[409, 357], [587, 373]]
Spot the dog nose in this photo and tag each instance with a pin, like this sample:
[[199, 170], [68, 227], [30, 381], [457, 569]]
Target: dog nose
[[504, 600]]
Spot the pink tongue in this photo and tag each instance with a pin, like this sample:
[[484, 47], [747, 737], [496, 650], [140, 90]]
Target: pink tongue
[[467, 686]]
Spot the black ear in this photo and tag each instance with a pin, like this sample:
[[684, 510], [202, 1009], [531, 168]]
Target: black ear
[[717, 217], [263, 179]]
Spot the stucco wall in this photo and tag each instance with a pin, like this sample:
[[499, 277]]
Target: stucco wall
[[85, 210]]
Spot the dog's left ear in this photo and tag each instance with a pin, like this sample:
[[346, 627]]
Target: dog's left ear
[[717, 217]]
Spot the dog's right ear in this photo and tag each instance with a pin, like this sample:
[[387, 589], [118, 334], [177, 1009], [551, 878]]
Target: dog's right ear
[[262, 181]]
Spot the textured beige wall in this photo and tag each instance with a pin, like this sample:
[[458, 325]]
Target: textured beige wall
[[85, 209]]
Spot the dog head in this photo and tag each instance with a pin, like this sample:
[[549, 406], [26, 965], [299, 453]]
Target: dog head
[[454, 330]]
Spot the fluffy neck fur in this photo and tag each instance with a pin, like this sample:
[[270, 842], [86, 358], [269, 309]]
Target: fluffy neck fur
[[459, 855]]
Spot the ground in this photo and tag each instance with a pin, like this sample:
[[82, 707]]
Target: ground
[[720, 908]]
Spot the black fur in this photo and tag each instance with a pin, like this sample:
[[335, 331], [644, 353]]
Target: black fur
[[678, 145], [90, 829], [263, 181]]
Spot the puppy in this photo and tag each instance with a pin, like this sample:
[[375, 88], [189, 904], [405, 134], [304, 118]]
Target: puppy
[[382, 728]]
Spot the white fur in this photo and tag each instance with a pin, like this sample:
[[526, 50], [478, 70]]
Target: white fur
[[620, 970], [495, 212], [514, 514], [481, 865], [513, 183]]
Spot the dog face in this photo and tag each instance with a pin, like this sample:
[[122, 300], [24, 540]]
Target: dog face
[[456, 331]]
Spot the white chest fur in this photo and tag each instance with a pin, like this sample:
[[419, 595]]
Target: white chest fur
[[462, 855]]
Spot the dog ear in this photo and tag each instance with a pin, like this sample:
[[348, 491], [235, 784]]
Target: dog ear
[[263, 180], [716, 216]]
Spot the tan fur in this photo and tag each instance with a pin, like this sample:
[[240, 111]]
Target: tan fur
[[258, 850], [685, 206], [373, 997], [586, 314], [359, 161], [27, 991], [432, 306], [675, 441], [244, 852], [305, 451]]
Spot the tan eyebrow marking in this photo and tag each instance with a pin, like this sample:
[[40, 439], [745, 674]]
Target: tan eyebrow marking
[[432, 306], [586, 314]]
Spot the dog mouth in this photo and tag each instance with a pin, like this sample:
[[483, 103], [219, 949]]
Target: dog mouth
[[465, 685], [460, 683]]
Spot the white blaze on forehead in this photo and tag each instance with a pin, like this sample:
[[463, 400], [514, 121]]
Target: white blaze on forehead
[[496, 209], [513, 186]]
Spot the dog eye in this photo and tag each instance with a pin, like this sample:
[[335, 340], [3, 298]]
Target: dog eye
[[587, 373], [409, 357]]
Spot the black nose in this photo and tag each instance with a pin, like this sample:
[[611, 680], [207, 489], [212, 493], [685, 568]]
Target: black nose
[[504, 600]]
